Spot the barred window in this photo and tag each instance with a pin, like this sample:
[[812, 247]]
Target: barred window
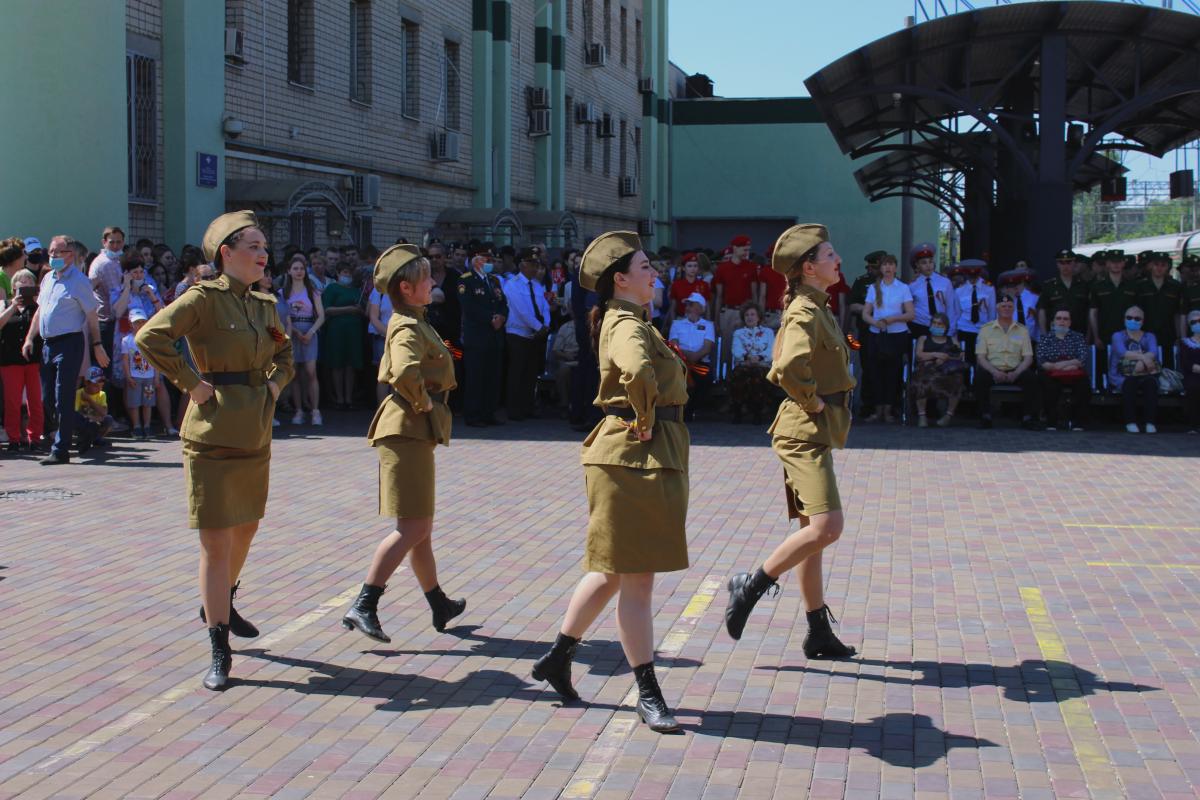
[[624, 32], [589, 22], [302, 228], [300, 42], [623, 151], [637, 46], [608, 25], [570, 15], [360, 50], [141, 81], [589, 138], [453, 81], [412, 74], [569, 131]]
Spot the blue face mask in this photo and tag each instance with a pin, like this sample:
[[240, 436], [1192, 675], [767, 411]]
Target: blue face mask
[[58, 263], [345, 280], [1195, 326], [488, 267], [113, 254], [1061, 329], [937, 330], [1133, 324]]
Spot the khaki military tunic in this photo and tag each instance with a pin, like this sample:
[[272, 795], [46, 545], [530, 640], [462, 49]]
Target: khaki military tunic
[[420, 370], [227, 440], [813, 362], [637, 491]]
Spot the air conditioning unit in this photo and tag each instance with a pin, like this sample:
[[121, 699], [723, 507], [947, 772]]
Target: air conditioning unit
[[234, 45], [646, 85], [596, 55], [627, 186], [585, 113], [539, 97], [443, 146], [364, 191], [539, 122], [605, 129]]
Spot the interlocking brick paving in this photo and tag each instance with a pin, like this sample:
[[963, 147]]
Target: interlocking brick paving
[[1025, 607]]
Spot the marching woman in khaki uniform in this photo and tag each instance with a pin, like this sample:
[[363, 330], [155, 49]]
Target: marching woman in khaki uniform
[[635, 464], [812, 365], [244, 360], [410, 422]]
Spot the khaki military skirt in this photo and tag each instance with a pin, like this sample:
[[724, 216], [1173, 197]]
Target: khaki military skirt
[[809, 484], [226, 486], [636, 520], [406, 477]]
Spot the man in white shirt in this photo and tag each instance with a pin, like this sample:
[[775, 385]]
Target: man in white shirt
[[931, 293], [526, 330], [696, 338], [976, 305]]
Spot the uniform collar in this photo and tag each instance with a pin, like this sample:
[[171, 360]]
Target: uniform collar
[[235, 286], [417, 312], [632, 308], [821, 298]]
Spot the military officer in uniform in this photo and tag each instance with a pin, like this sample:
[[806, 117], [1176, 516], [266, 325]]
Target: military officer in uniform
[[1068, 291], [976, 304], [409, 423], [484, 312], [811, 364], [1189, 272], [1161, 299], [636, 469], [242, 360], [1111, 295]]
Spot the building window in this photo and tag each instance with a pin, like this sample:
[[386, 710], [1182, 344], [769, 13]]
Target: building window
[[608, 25], [623, 151], [624, 33], [589, 22], [300, 42], [360, 50], [637, 46], [608, 147], [589, 139], [453, 81], [141, 81], [302, 228], [570, 15], [569, 131], [412, 71]]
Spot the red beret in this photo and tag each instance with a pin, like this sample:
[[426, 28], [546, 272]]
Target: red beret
[[727, 251], [740, 240], [688, 257]]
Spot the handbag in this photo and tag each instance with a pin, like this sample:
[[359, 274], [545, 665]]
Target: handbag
[[1067, 375], [1170, 382]]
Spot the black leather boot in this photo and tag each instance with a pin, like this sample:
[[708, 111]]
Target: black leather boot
[[555, 667], [651, 706], [820, 641], [744, 591], [238, 625], [444, 609], [362, 615], [222, 658]]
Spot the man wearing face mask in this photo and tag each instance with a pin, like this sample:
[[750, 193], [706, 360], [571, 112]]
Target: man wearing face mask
[[484, 312], [66, 305], [107, 277]]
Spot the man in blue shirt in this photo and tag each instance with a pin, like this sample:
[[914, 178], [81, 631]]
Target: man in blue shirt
[[66, 307], [526, 329]]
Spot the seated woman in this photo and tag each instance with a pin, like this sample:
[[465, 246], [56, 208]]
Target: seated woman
[[1133, 369], [938, 373], [1060, 356], [752, 345], [1189, 365]]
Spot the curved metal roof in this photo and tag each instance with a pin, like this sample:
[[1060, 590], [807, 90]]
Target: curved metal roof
[[1131, 70]]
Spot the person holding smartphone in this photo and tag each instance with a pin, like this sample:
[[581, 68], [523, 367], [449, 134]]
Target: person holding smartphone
[[21, 375]]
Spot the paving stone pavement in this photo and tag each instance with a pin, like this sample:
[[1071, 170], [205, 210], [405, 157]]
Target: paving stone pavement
[[1025, 606]]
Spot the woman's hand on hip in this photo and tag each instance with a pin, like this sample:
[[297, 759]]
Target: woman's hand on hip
[[274, 387], [202, 392]]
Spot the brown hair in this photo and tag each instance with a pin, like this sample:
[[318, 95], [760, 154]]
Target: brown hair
[[411, 273], [604, 288], [797, 275], [231, 240], [10, 250], [110, 230], [750, 306]]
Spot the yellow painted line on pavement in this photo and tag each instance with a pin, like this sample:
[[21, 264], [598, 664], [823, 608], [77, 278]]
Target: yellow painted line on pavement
[[186, 687], [1127, 527], [600, 756], [1139, 564], [1085, 738]]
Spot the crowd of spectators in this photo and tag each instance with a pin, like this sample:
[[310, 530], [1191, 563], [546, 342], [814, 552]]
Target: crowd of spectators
[[1111, 326]]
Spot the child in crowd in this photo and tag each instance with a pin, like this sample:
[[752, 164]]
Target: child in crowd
[[91, 404], [143, 389]]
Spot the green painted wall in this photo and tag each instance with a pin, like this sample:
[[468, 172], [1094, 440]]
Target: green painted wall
[[64, 144], [788, 169], [193, 109]]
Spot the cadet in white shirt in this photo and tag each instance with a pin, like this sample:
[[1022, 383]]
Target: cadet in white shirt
[[976, 304], [888, 310], [696, 338], [1015, 284], [931, 293]]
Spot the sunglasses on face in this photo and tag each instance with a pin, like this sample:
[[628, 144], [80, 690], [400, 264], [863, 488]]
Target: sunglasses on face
[[1132, 319]]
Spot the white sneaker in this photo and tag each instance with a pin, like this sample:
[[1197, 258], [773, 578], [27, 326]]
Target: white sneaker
[[274, 422], [316, 418], [1132, 428], [172, 431], [298, 418], [1150, 428]]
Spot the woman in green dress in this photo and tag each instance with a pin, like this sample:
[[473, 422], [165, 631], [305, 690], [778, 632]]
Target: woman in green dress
[[341, 344]]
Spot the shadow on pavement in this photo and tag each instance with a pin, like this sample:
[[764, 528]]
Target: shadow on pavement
[[1031, 681]]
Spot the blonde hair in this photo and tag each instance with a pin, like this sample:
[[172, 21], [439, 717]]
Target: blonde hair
[[411, 273]]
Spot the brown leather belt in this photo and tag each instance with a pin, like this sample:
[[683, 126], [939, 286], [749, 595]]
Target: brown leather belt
[[669, 413], [254, 377], [836, 399]]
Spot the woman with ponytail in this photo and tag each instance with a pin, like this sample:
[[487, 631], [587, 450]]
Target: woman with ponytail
[[635, 464]]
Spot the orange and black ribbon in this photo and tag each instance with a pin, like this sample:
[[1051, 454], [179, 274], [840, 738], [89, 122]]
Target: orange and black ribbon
[[455, 352]]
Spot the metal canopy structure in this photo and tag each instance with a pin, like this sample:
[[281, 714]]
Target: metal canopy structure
[[998, 115]]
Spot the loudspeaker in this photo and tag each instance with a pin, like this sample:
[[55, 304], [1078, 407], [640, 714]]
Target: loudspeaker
[[1182, 184]]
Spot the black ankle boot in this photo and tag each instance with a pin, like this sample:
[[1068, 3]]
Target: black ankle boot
[[555, 666], [651, 706], [222, 658], [744, 591], [238, 625], [362, 615], [820, 641], [444, 609]]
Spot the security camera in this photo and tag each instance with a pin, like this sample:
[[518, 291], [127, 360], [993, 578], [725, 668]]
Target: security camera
[[233, 127]]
